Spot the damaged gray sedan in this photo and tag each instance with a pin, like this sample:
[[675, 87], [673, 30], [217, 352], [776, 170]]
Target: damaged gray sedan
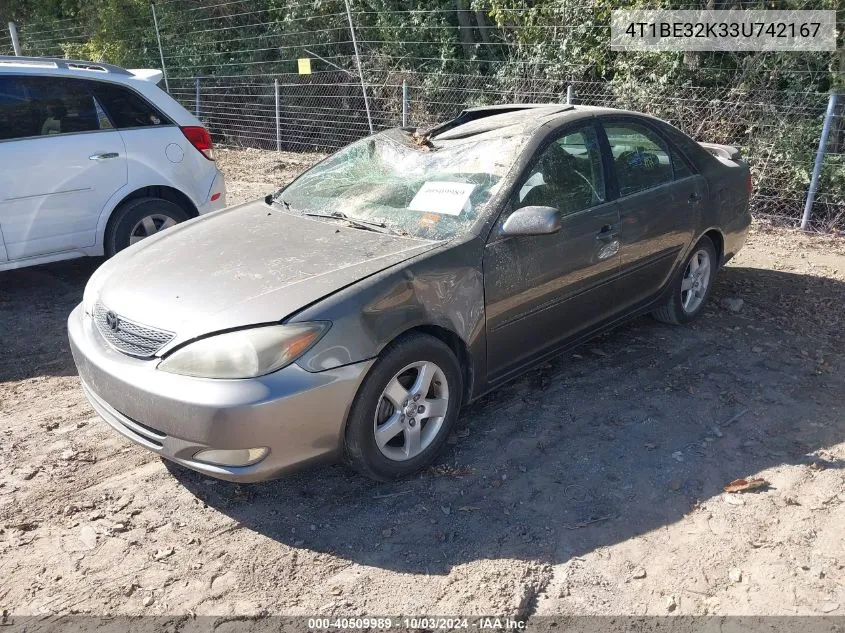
[[351, 314]]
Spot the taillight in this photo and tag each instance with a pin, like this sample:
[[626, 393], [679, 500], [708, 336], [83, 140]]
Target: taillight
[[201, 139], [750, 184]]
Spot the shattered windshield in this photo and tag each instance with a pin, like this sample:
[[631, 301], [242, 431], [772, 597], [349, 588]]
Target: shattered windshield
[[433, 191]]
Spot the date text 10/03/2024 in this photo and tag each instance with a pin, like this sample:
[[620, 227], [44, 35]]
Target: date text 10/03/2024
[[416, 623]]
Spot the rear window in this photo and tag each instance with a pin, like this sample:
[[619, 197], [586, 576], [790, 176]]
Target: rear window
[[42, 106], [126, 108]]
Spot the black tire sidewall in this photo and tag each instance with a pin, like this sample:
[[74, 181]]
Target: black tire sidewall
[[130, 213], [361, 450], [682, 315]]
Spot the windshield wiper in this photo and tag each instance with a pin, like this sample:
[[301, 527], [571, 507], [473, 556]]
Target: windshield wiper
[[378, 227]]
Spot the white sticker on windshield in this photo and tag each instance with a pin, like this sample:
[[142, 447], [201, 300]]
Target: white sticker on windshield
[[442, 197]]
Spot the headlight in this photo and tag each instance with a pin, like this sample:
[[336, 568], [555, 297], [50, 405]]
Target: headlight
[[244, 353]]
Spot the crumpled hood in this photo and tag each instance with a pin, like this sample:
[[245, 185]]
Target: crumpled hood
[[245, 265]]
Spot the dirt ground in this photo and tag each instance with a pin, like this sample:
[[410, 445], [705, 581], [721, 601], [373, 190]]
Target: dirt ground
[[592, 485]]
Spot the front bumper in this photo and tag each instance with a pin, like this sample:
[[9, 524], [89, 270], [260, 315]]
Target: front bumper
[[299, 415]]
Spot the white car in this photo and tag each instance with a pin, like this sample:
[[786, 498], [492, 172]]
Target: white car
[[94, 158]]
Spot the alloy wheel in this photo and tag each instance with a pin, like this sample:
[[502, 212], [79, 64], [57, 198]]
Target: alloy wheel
[[696, 281], [150, 225], [411, 411]]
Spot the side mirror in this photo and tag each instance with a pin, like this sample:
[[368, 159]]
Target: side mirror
[[532, 221]]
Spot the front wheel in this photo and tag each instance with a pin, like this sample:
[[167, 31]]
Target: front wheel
[[405, 409], [692, 288]]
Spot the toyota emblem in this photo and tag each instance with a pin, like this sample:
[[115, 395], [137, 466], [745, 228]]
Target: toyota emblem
[[112, 321]]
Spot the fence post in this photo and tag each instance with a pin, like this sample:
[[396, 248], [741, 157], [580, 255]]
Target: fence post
[[358, 63], [569, 94], [278, 120], [197, 97], [160, 50], [404, 103], [13, 33], [817, 168]]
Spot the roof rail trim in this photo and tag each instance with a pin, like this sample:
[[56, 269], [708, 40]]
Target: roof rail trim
[[65, 64]]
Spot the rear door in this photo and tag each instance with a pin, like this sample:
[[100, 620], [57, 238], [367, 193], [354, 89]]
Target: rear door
[[541, 290], [61, 162], [659, 200]]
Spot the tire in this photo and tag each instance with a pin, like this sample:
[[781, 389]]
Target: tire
[[394, 454], [680, 308], [127, 222]]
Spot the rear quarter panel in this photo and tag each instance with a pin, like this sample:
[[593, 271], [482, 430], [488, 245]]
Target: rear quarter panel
[[161, 155], [153, 159], [728, 210]]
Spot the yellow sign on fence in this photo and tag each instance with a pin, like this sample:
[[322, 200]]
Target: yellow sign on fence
[[304, 65]]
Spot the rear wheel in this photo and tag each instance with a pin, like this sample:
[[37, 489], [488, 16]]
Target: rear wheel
[[138, 219], [405, 408], [691, 288]]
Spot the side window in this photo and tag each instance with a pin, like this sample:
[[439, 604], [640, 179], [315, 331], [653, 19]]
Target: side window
[[17, 120], [126, 108], [40, 106], [60, 106], [640, 157], [567, 176]]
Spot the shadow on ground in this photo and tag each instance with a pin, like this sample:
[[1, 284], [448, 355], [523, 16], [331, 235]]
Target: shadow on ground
[[621, 437], [34, 305]]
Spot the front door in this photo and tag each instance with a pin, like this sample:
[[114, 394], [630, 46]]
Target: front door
[[62, 161], [541, 290], [659, 200]]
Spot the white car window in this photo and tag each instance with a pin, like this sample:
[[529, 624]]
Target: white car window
[[126, 108], [41, 106]]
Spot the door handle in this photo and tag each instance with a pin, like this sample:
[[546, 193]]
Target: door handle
[[606, 233], [694, 198], [104, 156]]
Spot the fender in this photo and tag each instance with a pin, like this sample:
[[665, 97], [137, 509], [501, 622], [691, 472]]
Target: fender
[[442, 289], [720, 247]]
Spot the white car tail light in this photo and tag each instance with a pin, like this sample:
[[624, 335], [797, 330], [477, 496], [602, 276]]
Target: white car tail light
[[201, 139]]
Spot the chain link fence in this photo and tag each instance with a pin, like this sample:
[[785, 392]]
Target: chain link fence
[[235, 64], [6, 43], [312, 115]]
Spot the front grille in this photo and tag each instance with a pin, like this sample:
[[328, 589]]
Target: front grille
[[127, 336]]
